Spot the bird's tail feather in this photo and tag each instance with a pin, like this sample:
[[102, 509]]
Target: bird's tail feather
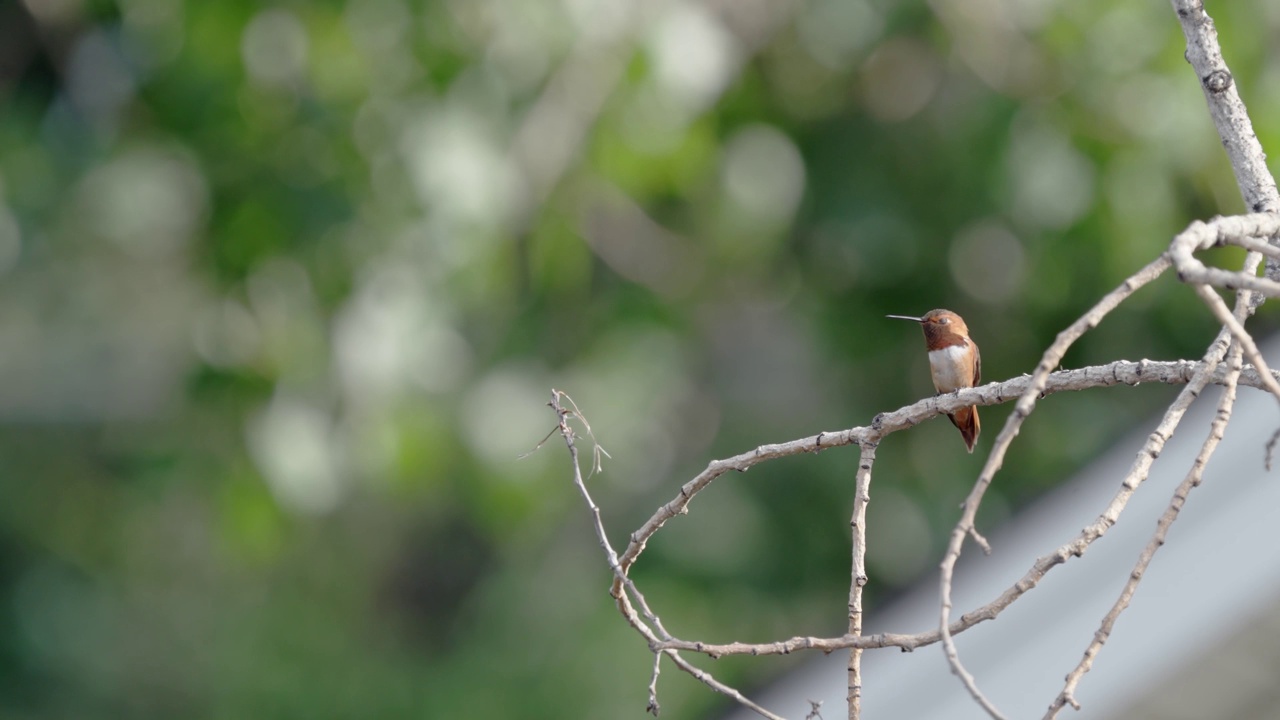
[[967, 420]]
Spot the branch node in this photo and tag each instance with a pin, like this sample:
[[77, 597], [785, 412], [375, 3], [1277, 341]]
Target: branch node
[[981, 541], [1218, 81], [1271, 448]]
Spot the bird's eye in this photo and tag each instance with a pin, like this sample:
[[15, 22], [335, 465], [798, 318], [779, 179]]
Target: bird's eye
[[944, 321]]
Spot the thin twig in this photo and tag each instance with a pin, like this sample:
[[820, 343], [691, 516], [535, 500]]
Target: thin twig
[[596, 448], [1244, 304], [1235, 130], [654, 708], [1025, 405], [1219, 308], [1258, 188], [1197, 236], [1237, 230], [1131, 373], [1192, 480], [705, 678], [858, 578], [1120, 372], [629, 588], [629, 597], [1258, 246]]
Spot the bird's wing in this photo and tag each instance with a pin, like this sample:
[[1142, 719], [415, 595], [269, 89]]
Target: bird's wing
[[977, 364]]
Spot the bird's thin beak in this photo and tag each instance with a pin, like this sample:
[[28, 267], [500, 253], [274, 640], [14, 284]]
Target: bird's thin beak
[[905, 317]]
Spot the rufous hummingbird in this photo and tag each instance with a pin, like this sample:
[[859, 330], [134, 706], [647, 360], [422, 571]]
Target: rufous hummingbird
[[954, 362]]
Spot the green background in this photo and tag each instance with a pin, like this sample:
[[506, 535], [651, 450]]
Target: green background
[[284, 290]]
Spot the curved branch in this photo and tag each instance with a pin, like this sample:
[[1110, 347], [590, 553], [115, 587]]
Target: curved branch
[[1192, 480], [657, 633], [1013, 425], [1121, 372]]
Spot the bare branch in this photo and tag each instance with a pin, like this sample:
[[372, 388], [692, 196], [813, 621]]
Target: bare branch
[[1220, 311], [1258, 188], [628, 588], [1248, 161], [653, 707], [858, 578], [569, 106], [1197, 236], [1127, 373], [1025, 405], [1258, 246], [1192, 480], [1120, 372], [1235, 230], [1244, 306], [1027, 390], [705, 678]]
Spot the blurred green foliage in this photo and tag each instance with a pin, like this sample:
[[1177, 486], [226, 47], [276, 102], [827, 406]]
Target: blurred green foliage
[[286, 288]]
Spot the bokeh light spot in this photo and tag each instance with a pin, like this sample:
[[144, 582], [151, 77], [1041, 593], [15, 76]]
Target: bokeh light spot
[[1051, 183], [147, 201], [505, 414], [835, 31], [225, 334], [274, 47], [99, 81], [988, 262], [763, 174], [458, 168], [292, 442], [899, 79], [694, 55]]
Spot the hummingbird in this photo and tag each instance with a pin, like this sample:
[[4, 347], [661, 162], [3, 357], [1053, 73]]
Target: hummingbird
[[954, 362]]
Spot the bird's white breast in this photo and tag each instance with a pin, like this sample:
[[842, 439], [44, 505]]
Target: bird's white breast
[[950, 371]]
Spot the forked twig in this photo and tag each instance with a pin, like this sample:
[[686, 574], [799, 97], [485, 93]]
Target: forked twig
[[1259, 190], [655, 634], [1249, 232], [1176, 372], [1192, 480], [1025, 405]]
